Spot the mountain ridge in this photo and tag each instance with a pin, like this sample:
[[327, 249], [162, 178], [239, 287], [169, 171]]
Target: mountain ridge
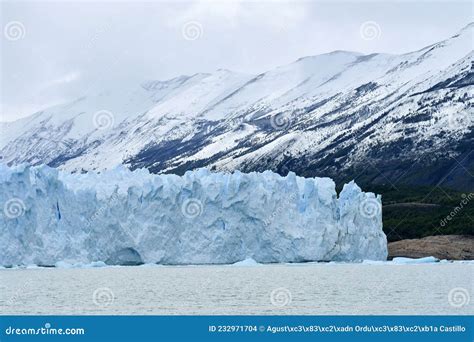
[[407, 117]]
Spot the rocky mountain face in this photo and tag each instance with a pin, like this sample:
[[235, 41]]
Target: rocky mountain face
[[379, 118]]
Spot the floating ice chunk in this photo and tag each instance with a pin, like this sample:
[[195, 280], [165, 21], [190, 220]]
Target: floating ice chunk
[[426, 260], [246, 262], [374, 262], [97, 264]]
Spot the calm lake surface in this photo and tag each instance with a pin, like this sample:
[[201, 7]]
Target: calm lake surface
[[313, 289]]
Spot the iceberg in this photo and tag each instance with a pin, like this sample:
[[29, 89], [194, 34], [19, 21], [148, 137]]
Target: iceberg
[[408, 261], [249, 262], [123, 217]]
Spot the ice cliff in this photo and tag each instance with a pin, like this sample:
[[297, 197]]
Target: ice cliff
[[125, 217]]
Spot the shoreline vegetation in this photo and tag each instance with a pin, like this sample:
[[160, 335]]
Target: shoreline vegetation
[[416, 212]]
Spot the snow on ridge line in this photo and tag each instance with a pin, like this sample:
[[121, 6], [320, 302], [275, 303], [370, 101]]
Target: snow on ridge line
[[133, 217]]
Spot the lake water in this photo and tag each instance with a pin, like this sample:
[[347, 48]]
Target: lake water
[[315, 289]]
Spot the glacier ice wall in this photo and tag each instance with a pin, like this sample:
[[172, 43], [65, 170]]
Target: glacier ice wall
[[125, 217]]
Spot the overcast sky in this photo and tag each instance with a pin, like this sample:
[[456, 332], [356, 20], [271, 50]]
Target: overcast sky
[[53, 52]]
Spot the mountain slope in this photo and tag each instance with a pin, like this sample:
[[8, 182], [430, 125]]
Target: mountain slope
[[379, 118]]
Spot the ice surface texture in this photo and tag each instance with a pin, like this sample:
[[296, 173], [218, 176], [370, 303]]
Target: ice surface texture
[[125, 217]]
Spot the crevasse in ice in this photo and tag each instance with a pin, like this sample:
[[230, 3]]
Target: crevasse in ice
[[129, 217]]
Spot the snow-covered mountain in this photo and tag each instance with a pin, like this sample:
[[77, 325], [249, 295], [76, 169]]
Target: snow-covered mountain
[[379, 118]]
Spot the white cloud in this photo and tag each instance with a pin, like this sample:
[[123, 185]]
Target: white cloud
[[75, 47]]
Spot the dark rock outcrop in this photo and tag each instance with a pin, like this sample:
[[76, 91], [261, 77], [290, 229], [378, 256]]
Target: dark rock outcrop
[[451, 247]]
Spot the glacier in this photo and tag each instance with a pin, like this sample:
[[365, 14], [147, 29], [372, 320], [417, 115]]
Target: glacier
[[124, 217]]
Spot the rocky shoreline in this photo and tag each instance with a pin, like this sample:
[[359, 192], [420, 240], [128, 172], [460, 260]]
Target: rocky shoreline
[[451, 247]]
